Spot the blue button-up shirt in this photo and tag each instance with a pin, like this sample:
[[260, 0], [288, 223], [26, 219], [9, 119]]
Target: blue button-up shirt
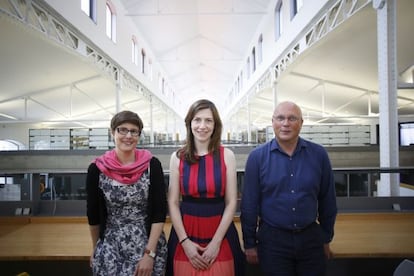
[[288, 192]]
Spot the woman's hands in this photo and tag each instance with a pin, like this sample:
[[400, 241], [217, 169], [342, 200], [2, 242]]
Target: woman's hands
[[91, 260], [145, 266], [201, 258], [211, 251], [194, 254]]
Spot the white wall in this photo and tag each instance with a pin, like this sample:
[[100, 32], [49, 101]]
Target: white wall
[[272, 49], [17, 132], [125, 30]]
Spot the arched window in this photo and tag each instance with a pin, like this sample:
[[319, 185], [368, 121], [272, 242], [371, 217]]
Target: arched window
[[248, 68], [89, 7], [296, 5], [241, 80], [150, 71], [260, 49], [278, 20], [134, 50], [253, 59], [143, 60], [110, 21], [238, 85]]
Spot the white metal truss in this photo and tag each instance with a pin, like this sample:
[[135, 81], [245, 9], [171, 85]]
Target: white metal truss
[[337, 14], [329, 20], [37, 16], [40, 17]]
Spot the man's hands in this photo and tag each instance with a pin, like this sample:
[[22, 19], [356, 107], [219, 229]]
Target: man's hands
[[251, 255], [328, 251]]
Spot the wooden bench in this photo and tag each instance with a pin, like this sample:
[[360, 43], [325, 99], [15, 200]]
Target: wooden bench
[[44, 238], [357, 235]]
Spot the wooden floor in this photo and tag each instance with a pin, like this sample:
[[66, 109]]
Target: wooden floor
[[357, 235]]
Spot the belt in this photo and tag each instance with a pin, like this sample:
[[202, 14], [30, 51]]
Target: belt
[[295, 231], [300, 230]]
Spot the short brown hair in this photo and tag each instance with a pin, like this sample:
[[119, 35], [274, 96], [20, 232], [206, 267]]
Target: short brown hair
[[126, 116]]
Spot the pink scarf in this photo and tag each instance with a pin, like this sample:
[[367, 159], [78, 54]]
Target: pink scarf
[[109, 164]]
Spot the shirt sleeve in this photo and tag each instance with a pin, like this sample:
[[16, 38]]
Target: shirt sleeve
[[327, 208], [157, 197], [250, 201]]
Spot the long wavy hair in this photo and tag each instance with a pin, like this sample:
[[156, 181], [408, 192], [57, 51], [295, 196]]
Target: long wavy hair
[[187, 152]]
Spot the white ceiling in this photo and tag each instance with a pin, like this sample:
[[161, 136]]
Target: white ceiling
[[201, 46]]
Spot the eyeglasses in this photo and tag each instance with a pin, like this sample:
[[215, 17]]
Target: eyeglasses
[[291, 119], [125, 131]]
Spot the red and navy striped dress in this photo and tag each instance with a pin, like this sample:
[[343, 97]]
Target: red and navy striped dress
[[202, 186]]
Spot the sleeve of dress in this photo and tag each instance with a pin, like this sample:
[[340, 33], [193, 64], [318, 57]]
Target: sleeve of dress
[[92, 199], [158, 196]]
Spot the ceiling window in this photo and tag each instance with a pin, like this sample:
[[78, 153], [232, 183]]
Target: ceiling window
[[278, 20], [89, 7], [110, 21], [134, 50]]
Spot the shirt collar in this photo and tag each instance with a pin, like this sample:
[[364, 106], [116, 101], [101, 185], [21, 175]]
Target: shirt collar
[[274, 145]]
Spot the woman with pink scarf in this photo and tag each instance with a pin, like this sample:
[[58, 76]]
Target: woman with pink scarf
[[126, 205]]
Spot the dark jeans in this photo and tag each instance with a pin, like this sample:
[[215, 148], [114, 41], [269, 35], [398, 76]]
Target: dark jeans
[[283, 252]]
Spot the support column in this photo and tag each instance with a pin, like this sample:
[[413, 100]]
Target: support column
[[387, 80], [274, 90], [118, 93], [249, 122], [269, 129], [151, 120]]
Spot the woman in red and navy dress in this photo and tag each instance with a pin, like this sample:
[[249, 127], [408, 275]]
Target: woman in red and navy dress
[[202, 200]]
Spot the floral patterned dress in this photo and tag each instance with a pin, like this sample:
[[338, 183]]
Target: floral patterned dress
[[125, 235]]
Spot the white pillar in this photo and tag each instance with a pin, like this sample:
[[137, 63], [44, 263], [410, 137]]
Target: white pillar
[[118, 93], [151, 120], [274, 90], [387, 80], [249, 122]]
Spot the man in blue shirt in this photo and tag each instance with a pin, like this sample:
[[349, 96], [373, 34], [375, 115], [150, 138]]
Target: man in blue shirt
[[288, 206]]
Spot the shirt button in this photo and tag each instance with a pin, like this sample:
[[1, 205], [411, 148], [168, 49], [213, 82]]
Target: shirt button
[[293, 191], [293, 209], [291, 174]]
